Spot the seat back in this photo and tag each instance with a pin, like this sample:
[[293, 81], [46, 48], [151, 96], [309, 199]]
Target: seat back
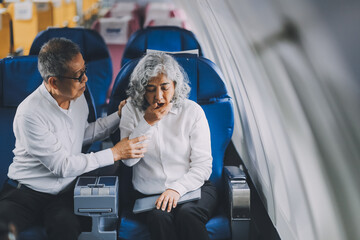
[[125, 10], [95, 53], [5, 33], [19, 76], [116, 33], [164, 38], [164, 14], [207, 89], [155, 10]]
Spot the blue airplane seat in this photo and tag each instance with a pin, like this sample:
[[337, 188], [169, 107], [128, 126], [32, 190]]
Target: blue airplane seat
[[96, 56], [19, 77], [209, 90], [163, 38]]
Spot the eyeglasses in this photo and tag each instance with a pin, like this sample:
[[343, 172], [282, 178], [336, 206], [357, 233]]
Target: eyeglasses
[[80, 78]]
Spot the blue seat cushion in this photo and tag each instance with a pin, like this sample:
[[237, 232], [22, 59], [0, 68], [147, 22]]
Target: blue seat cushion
[[131, 228], [13, 90], [218, 228], [221, 121], [19, 77], [99, 78]]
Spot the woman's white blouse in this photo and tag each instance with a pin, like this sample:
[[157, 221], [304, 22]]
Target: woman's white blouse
[[179, 150]]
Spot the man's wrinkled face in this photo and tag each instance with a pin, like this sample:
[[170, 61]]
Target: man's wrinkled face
[[69, 86]]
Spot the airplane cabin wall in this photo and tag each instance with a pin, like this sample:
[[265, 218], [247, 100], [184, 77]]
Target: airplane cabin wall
[[296, 108]]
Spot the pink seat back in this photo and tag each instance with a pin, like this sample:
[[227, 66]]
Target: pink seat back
[[164, 14], [115, 32]]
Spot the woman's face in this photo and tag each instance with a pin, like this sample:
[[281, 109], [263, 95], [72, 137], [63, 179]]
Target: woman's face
[[159, 91]]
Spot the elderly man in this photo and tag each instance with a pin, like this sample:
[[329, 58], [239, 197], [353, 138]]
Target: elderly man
[[50, 128]]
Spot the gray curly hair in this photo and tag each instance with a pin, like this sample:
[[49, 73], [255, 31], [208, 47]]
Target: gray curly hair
[[151, 65]]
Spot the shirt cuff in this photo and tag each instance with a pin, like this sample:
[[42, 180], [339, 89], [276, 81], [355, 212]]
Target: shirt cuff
[[104, 157], [178, 187]]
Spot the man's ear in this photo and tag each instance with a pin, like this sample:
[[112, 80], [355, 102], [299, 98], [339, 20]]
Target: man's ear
[[53, 82]]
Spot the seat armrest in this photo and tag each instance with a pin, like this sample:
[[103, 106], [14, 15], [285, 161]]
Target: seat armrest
[[238, 201], [238, 192], [234, 173]]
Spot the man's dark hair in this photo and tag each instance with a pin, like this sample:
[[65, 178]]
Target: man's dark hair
[[55, 56]]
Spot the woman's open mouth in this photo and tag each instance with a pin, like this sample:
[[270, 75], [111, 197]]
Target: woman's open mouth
[[159, 105]]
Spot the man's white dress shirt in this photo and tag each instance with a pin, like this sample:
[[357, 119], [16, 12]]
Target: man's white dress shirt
[[179, 150], [49, 140]]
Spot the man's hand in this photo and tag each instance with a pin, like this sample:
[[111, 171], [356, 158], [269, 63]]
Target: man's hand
[[125, 149], [154, 113], [121, 105], [167, 199]]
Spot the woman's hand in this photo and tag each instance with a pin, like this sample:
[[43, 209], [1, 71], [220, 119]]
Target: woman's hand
[[167, 199], [153, 113]]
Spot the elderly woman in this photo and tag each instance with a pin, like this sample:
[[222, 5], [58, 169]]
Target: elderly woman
[[179, 158]]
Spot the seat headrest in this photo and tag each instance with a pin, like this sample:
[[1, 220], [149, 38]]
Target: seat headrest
[[164, 38], [192, 51], [90, 42], [115, 30], [19, 76], [169, 21]]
